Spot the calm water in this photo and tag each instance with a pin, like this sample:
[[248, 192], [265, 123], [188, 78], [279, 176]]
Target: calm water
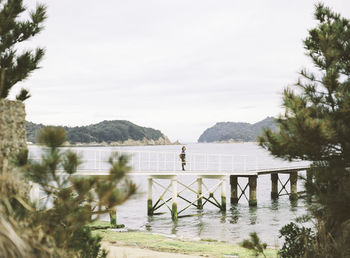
[[234, 225]]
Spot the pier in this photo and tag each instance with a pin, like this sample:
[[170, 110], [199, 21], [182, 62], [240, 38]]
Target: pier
[[163, 170]]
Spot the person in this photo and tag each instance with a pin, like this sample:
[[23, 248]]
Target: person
[[183, 157]]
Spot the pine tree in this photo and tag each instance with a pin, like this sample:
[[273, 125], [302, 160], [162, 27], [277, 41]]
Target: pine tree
[[57, 226], [316, 127], [15, 67]]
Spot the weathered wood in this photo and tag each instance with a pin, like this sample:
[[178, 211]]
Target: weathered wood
[[199, 193], [35, 195], [113, 215], [274, 185], [252, 190], [309, 176], [174, 205], [234, 193], [293, 178], [223, 193], [149, 199]]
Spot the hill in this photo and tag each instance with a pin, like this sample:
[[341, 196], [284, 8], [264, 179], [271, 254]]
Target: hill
[[237, 132], [116, 132]]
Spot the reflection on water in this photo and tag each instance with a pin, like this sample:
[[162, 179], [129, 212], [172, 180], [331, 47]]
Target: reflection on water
[[234, 225], [253, 215]]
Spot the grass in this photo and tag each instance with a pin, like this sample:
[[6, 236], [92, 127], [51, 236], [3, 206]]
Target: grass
[[211, 248]]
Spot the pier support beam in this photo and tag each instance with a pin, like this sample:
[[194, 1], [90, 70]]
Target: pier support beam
[[293, 179], [199, 193], [113, 215], [223, 193], [149, 199], [36, 195], [234, 193], [252, 190], [174, 206], [274, 186], [309, 176]]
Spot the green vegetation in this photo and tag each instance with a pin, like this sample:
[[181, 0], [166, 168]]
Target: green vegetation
[[16, 67], [162, 243], [57, 227], [316, 126], [239, 132], [255, 245], [106, 131]]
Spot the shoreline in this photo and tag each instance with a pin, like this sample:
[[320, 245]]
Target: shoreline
[[124, 243], [138, 144]]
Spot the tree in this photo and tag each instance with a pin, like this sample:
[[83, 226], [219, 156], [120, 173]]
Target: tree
[[316, 127], [59, 226], [16, 67]]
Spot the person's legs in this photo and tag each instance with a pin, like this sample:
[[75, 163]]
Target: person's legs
[[183, 165]]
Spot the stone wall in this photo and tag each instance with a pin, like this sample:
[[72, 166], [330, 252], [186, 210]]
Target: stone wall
[[12, 130]]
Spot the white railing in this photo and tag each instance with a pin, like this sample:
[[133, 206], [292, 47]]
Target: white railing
[[153, 161]]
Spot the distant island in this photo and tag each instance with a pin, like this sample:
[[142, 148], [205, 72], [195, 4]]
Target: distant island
[[114, 133], [236, 131]]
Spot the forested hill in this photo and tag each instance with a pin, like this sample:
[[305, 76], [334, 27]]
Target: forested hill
[[104, 132], [236, 132]]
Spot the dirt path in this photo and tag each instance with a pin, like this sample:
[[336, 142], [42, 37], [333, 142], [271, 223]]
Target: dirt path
[[116, 251]]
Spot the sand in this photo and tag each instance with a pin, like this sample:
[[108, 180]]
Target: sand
[[120, 251]]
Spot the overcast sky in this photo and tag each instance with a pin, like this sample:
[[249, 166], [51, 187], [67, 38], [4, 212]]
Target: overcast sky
[[177, 66]]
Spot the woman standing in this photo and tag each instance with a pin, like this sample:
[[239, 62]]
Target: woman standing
[[183, 157]]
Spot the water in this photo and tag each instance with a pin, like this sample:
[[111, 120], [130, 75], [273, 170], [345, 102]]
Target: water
[[233, 226]]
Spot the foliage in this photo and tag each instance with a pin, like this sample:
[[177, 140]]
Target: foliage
[[16, 67], [106, 131], [59, 226], [298, 241], [245, 132], [316, 126], [255, 244], [86, 244]]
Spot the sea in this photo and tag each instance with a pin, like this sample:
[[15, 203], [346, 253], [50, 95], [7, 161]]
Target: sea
[[232, 226]]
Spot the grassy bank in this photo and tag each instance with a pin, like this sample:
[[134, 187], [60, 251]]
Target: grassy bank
[[157, 242]]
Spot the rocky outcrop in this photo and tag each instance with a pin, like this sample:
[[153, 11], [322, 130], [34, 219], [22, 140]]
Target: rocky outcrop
[[237, 132], [12, 130]]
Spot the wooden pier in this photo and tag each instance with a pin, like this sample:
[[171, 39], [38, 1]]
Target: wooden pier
[[170, 182], [163, 170]]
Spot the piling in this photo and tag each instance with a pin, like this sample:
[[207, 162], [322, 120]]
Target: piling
[[274, 185], [293, 179], [174, 198], [252, 190], [234, 193], [113, 215], [149, 199], [309, 176], [36, 195], [199, 193], [223, 193]]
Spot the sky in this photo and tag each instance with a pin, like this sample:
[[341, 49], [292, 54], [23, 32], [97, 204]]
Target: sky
[[177, 66]]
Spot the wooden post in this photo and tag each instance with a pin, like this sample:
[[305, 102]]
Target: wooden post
[[274, 185], [309, 181], [199, 193], [223, 193], [35, 195], [174, 206], [113, 215], [309, 176], [234, 193], [252, 190], [293, 178], [149, 199]]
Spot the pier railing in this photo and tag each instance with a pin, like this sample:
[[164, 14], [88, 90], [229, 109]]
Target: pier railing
[[153, 161]]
